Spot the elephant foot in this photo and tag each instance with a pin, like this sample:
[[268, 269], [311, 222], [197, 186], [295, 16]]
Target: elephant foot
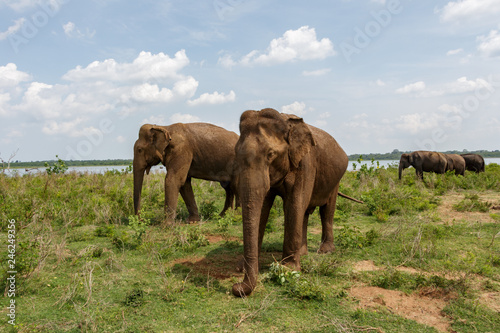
[[326, 247], [292, 262], [193, 219], [242, 289]]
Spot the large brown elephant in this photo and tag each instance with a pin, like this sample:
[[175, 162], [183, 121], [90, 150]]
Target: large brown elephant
[[473, 162], [196, 150], [279, 154], [423, 161], [455, 163]]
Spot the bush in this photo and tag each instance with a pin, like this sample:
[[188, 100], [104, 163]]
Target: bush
[[471, 203]]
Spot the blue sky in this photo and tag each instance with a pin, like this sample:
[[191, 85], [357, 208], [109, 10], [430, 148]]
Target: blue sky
[[78, 78]]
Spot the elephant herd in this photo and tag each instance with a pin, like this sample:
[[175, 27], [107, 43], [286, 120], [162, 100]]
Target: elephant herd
[[276, 154], [431, 161]]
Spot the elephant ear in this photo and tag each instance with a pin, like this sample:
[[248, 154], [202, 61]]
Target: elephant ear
[[160, 139], [300, 139]]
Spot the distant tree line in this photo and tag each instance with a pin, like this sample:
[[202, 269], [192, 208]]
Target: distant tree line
[[71, 163], [396, 154]]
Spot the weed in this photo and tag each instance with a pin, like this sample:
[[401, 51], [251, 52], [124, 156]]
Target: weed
[[296, 284], [471, 203], [57, 167], [134, 298]]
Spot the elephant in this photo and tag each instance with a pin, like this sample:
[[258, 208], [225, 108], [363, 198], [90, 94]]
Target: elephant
[[279, 154], [455, 163], [421, 160], [473, 162], [194, 150]]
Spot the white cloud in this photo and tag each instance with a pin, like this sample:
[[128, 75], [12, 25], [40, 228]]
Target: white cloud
[[156, 120], [120, 139], [71, 31], [20, 5], [92, 91], [183, 118], [413, 87], [13, 28], [470, 10], [462, 85], [186, 87], [214, 98], [417, 122], [151, 93], [296, 108], [69, 128], [300, 44], [318, 72], [490, 45], [454, 52], [380, 83], [10, 76], [145, 67]]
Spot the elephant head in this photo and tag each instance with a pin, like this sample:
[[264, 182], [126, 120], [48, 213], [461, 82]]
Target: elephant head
[[405, 162], [270, 145], [149, 150]]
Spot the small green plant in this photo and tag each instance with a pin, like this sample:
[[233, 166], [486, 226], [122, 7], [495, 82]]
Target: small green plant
[[296, 284], [138, 224], [208, 210], [134, 298], [471, 203], [57, 167]]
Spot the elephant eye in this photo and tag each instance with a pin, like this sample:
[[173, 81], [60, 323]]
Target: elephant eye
[[271, 154]]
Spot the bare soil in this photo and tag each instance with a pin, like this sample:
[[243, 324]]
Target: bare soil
[[425, 307], [449, 215]]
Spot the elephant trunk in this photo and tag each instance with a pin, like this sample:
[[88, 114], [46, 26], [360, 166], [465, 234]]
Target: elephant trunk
[[401, 168], [251, 193], [138, 179]]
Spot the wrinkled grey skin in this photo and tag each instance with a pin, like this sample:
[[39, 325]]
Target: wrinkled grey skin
[[196, 150], [423, 161], [473, 162], [455, 163], [279, 154]]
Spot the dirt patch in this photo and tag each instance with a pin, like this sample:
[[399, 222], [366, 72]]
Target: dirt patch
[[449, 215], [223, 266], [422, 309], [212, 239]]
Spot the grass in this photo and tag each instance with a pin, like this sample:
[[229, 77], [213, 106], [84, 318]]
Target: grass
[[85, 264]]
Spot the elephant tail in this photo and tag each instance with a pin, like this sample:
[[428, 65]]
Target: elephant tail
[[350, 198]]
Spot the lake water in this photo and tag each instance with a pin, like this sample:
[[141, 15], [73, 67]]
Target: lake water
[[159, 168]]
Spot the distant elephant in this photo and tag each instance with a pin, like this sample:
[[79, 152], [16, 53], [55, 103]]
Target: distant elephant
[[423, 161], [196, 150], [473, 162], [279, 154], [455, 163]]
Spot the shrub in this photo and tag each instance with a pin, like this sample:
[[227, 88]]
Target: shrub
[[471, 203]]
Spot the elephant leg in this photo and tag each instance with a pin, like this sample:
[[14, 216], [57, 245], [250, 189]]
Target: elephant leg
[[229, 197], [266, 209], [303, 248], [187, 194], [176, 177], [327, 213], [294, 225]]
